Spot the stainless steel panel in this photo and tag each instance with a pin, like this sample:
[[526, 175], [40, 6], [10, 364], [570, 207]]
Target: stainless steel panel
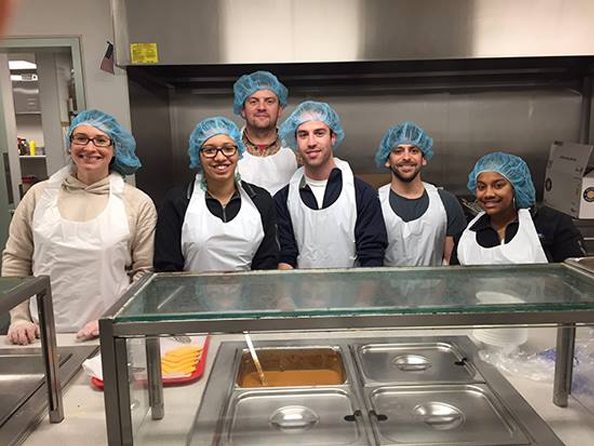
[[585, 263], [26, 97], [466, 121], [152, 126], [457, 414], [23, 388], [281, 31], [293, 417], [413, 363], [21, 374]]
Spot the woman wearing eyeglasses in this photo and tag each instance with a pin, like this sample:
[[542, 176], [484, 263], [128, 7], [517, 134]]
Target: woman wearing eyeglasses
[[84, 227], [218, 222]]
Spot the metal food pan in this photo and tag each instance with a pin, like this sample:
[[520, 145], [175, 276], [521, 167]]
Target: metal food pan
[[414, 363], [293, 366], [314, 416], [468, 414]]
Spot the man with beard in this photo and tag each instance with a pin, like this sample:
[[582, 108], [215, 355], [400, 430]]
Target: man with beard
[[421, 220], [327, 218], [260, 98]]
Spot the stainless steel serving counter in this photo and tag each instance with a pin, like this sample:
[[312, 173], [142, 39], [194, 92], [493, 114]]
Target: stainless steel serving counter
[[13, 291], [320, 300], [84, 421], [23, 388]]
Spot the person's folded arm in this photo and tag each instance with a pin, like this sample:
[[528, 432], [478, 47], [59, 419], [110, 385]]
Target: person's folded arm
[[286, 236], [17, 262], [170, 218], [267, 255], [566, 241], [17, 257], [370, 230], [142, 245]]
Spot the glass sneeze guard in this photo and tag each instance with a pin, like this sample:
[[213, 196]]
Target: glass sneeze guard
[[360, 292]]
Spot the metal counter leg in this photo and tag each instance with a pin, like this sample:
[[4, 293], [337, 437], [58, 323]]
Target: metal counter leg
[[47, 333], [564, 364], [116, 388], [155, 384]]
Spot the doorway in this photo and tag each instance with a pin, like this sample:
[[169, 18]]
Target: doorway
[[41, 90]]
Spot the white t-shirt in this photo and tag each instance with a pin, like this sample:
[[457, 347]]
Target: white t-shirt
[[318, 188]]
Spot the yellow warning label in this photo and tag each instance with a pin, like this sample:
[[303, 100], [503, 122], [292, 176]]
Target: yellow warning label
[[144, 53]]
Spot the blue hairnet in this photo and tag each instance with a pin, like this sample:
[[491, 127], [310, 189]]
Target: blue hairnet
[[514, 169], [310, 111], [125, 160], [248, 84], [404, 133], [206, 129]]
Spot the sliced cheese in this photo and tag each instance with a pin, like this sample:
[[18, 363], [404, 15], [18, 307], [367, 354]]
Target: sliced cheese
[[181, 361]]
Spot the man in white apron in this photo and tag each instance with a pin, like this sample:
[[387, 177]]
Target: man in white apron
[[327, 218], [218, 223], [508, 231], [259, 98], [421, 220]]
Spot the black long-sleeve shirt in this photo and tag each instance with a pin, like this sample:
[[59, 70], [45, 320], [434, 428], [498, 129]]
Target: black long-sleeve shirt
[[370, 230], [168, 253], [558, 235]]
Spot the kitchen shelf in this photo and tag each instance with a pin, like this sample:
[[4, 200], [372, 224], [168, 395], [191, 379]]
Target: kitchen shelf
[[32, 156]]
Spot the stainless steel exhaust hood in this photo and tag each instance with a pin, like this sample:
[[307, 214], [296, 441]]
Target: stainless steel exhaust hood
[[192, 32], [479, 75]]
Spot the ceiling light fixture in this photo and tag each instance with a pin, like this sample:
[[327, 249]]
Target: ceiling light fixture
[[21, 65]]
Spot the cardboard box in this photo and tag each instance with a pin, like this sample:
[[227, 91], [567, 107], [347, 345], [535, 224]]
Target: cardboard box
[[569, 180]]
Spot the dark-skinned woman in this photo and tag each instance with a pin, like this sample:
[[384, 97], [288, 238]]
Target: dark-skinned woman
[[511, 230]]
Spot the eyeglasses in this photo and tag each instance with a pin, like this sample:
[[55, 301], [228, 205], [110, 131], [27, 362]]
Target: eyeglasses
[[98, 141], [211, 151]]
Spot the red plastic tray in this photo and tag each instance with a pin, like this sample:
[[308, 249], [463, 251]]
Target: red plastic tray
[[177, 381]]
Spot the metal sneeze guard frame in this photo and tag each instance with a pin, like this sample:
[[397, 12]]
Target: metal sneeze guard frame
[[124, 320], [25, 288]]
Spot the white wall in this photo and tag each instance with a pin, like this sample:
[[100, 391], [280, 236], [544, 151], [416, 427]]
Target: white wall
[[91, 21]]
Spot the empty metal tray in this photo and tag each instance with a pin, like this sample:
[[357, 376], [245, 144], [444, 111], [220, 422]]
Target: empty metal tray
[[452, 414], [20, 375], [293, 417], [414, 363], [23, 390]]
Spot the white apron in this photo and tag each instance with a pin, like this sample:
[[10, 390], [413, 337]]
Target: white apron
[[418, 242], [325, 237], [271, 172], [86, 261], [525, 247], [209, 244]]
